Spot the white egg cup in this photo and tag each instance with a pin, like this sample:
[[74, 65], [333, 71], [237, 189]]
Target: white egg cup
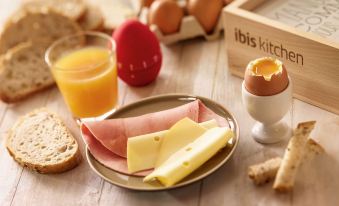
[[268, 111]]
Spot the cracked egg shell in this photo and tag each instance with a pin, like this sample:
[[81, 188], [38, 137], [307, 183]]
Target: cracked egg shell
[[138, 53], [265, 77]]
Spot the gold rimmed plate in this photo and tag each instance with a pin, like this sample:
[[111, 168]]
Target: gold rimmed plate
[[158, 103]]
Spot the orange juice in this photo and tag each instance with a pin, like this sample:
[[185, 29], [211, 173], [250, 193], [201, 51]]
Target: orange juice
[[87, 79]]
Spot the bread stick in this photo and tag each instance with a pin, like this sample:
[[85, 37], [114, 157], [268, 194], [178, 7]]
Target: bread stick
[[312, 148], [294, 153], [266, 171]]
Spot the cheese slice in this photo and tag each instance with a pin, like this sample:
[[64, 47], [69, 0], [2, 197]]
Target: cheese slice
[[191, 157], [143, 150], [178, 136]]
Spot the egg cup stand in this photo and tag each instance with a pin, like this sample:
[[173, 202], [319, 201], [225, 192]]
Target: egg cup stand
[[189, 28], [268, 111]]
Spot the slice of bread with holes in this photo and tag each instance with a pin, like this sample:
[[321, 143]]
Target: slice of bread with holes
[[41, 142], [23, 71], [45, 25]]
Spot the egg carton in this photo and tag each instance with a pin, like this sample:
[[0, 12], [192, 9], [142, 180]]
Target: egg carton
[[189, 28]]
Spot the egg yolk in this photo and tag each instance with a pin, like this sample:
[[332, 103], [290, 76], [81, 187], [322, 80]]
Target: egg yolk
[[265, 68]]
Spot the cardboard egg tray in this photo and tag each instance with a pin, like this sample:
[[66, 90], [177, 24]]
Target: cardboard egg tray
[[189, 28]]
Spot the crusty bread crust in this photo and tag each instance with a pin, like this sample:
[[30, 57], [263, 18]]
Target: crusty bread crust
[[64, 164], [7, 99], [49, 169]]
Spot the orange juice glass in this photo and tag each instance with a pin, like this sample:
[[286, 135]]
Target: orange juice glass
[[84, 68]]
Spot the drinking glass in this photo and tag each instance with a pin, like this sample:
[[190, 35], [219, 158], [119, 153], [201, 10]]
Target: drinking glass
[[84, 68]]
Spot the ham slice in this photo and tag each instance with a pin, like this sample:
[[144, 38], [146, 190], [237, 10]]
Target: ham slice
[[107, 139], [106, 157]]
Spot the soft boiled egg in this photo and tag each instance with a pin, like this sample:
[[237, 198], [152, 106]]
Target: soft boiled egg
[[266, 76]]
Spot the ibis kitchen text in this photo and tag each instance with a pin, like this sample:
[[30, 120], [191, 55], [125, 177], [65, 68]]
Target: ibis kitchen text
[[265, 45]]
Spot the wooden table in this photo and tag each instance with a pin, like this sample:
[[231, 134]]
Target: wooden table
[[195, 67]]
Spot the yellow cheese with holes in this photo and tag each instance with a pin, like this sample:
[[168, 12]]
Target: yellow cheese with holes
[[143, 150], [178, 136], [191, 157]]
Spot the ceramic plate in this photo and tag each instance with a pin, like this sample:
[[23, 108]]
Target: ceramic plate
[[158, 103]]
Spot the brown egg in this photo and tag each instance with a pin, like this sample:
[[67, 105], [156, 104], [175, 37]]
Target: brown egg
[[207, 12], [147, 3], [266, 76], [167, 15]]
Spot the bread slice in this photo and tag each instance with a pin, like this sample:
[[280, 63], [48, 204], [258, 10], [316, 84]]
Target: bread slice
[[23, 71], [93, 19], [41, 142], [73, 9], [46, 26]]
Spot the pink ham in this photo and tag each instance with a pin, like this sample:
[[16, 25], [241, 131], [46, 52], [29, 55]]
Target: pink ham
[[106, 157], [107, 139]]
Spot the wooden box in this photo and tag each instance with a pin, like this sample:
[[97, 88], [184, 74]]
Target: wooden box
[[311, 59]]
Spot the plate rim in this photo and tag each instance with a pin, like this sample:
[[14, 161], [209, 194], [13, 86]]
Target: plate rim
[[89, 156]]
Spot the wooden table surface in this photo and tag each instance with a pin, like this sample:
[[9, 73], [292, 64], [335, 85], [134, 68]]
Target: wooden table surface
[[194, 67]]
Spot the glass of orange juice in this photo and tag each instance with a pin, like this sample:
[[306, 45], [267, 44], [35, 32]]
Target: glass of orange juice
[[84, 68]]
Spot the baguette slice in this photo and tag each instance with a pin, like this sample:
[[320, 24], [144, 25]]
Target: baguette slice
[[24, 72], [46, 26], [73, 9], [41, 142], [93, 19]]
